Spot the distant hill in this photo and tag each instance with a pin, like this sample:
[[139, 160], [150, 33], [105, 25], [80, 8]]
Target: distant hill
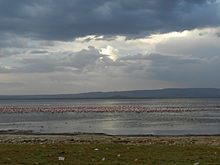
[[135, 94]]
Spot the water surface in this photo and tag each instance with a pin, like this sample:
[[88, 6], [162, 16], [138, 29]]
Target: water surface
[[199, 122]]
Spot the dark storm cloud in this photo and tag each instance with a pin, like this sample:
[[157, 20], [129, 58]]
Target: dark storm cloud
[[68, 19]]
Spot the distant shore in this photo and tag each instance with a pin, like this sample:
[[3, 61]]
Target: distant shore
[[168, 93]]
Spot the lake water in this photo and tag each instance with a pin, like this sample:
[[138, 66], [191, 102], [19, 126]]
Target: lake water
[[203, 121]]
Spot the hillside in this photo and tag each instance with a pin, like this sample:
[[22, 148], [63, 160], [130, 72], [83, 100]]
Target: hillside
[[160, 93]]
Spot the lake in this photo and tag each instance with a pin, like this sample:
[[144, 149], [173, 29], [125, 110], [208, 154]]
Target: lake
[[205, 120]]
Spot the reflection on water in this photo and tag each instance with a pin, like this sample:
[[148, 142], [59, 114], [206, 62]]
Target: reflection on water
[[122, 123]]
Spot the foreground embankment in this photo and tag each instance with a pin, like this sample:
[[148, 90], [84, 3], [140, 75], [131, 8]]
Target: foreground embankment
[[97, 149]]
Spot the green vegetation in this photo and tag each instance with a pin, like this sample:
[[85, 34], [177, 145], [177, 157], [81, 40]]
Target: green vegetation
[[108, 154]]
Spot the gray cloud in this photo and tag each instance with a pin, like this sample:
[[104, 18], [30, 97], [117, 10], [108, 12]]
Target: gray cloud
[[182, 70], [8, 41], [202, 73], [7, 53], [68, 19], [83, 58], [88, 70], [66, 61], [11, 84], [218, 34], [179, 69], [39, 52]]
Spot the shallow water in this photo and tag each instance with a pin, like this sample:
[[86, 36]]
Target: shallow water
[[198, 122]]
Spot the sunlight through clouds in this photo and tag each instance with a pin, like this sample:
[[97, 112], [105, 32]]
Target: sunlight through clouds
[[70, 46]]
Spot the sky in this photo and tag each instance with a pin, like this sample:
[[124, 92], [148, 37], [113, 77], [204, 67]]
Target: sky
[[74, 46]]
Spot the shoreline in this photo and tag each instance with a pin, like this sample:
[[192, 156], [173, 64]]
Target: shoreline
[[24, 132], [210, 140], [31, 133]]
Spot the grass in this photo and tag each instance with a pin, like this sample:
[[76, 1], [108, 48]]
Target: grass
[[108, 154]]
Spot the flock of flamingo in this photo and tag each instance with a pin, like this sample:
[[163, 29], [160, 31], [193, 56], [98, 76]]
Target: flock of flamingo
[[9, 109]]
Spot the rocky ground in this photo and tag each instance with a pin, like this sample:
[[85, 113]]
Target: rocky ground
[[101, 138]]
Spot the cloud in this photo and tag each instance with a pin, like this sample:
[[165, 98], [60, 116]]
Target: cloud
[[188, 72], [84, 58], [168, 68], [11, 84], [203, 43], [65, 61], [130, 72], [69, 19], [39, 52], [176, 59]]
